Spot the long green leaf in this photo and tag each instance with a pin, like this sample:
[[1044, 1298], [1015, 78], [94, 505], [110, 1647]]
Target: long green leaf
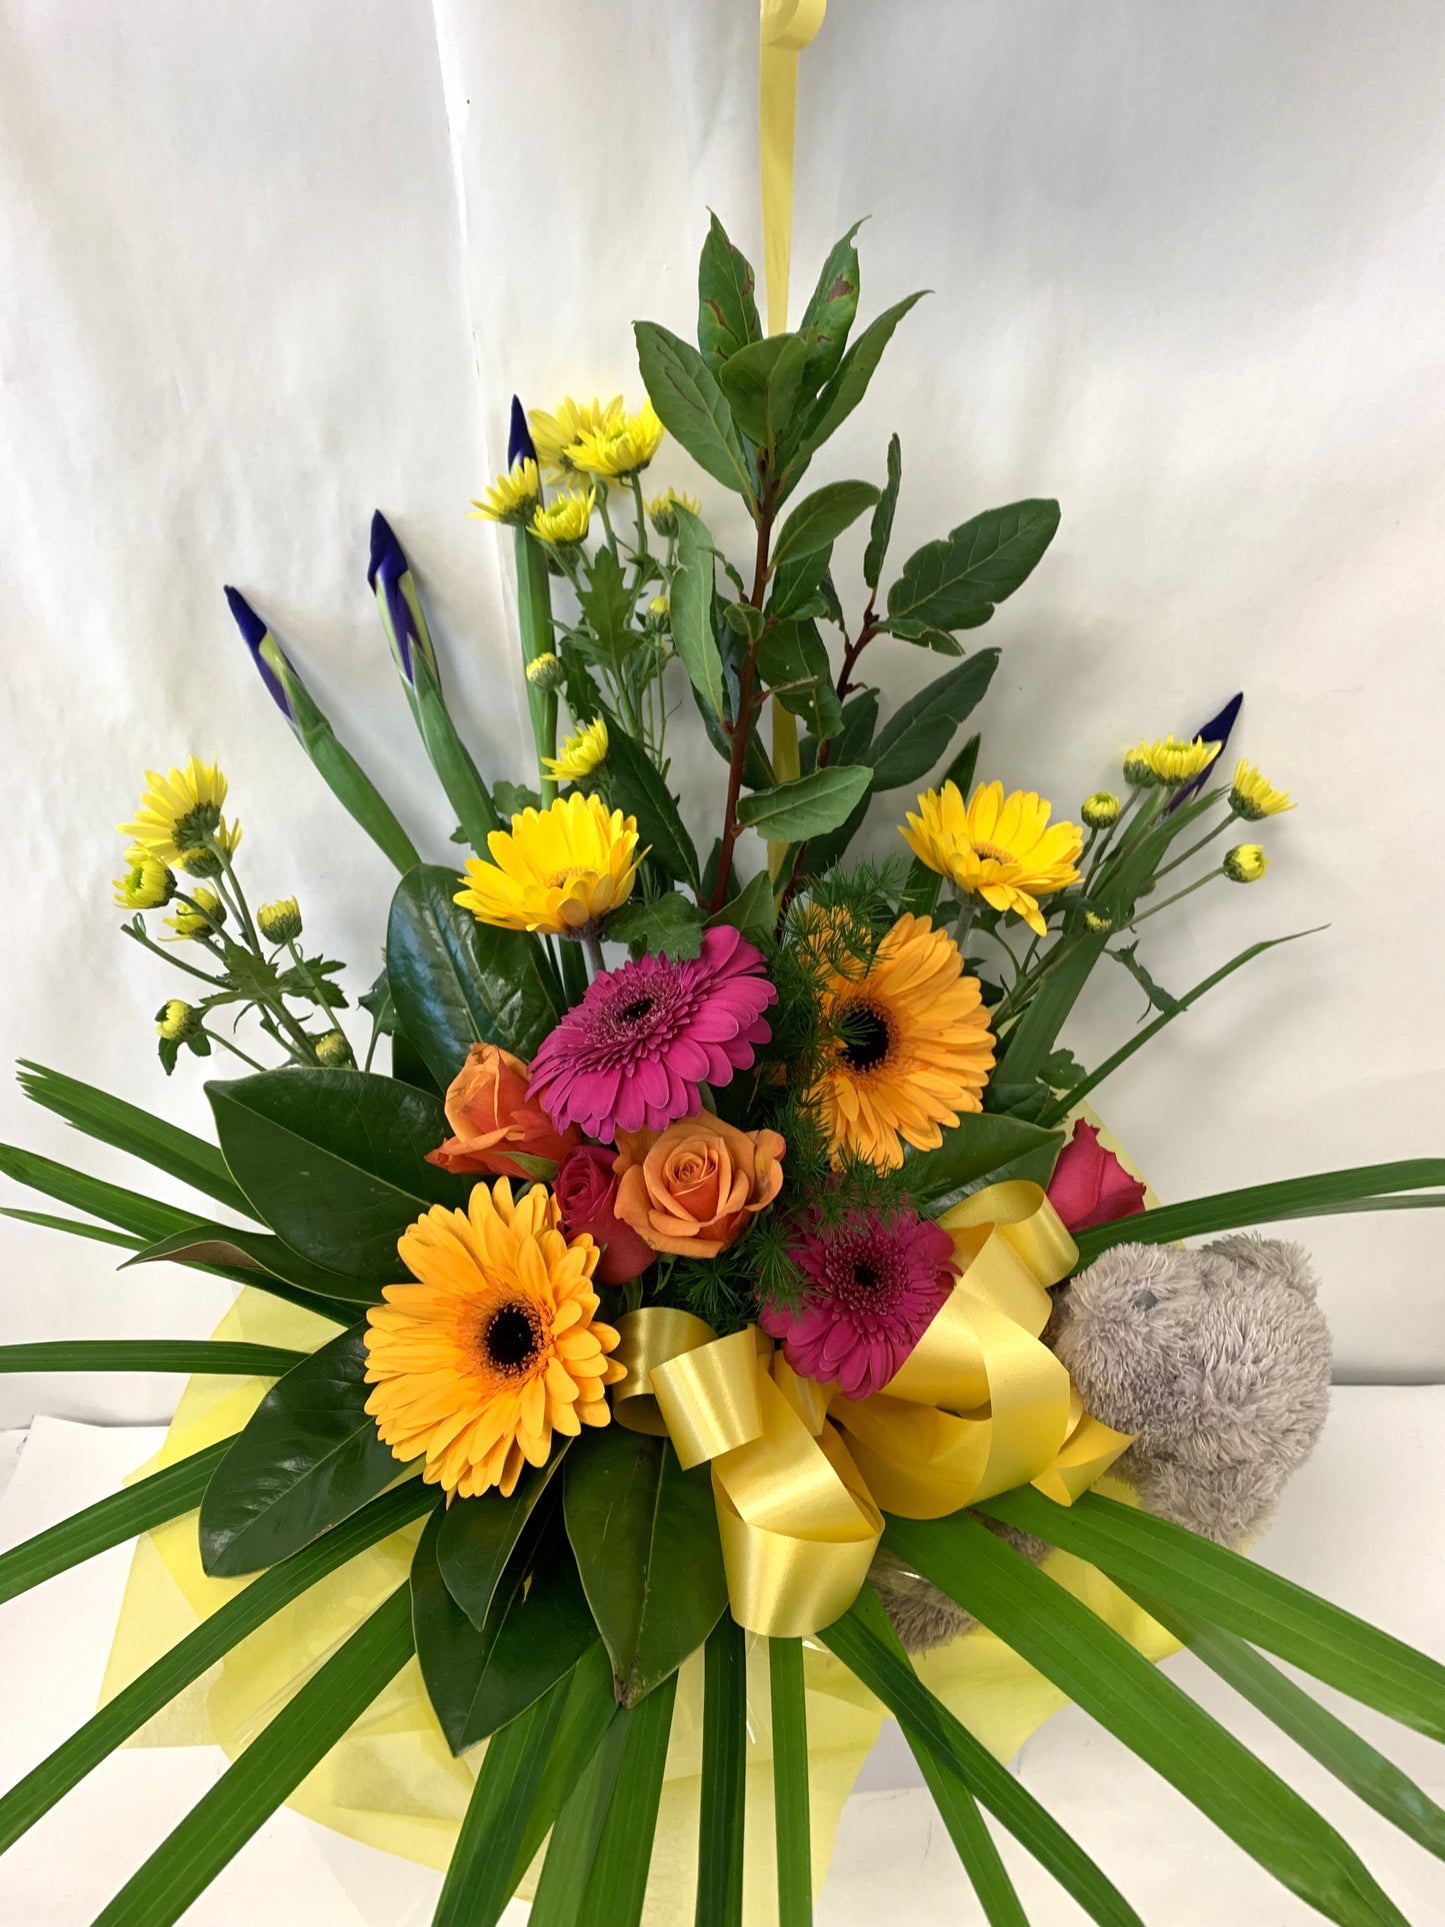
[[461, 780], [273, 1765], [194, 1655], [975, 1149], [691, 406], [588, 1716], [881, 528], [638, 789], [830, 312], [308, 1457], [960, 578], [820, 518], [573, 1846], [1220, 1587], [919, 733], [496, 1816], [724, 1777], [262, 1260], [1263, 1204], [1141, 1706], [203, 1355], [144, 1217], [808, 806], [889, 1675], [126, 1126], [1353, 1761], [109, 1522], [842, 391], [727, 313], [618, 1880], [791, 1824], [478, 1537], [97, 1233], [692, 631], [1060, 1108]]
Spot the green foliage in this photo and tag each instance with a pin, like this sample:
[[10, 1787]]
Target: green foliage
[[727, 312], [143, 1217], [831, 309], [335, 1162], [461, 780], [692, 599], [807, 806], [881, 530], [791, 1823], [628, 1504], [762, 384], [206, 1356], [669, 925], [920, 731], [478, 1537], [456, 981], [957, 581], [840, 394], [724, 1777], [259, 1259], [692, 407], [751, 910], [607, 604], [638, 788], [980, 1149], [308, 1458], [820, 518], [617, 1881]]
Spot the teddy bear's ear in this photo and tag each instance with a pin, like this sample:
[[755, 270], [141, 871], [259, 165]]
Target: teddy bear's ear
[[1274, 1261]]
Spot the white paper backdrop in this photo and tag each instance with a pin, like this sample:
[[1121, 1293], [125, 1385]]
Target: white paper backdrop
[[267, 267]]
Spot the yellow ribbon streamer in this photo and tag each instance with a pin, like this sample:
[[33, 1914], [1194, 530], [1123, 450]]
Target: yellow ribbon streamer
[[979, 1406]]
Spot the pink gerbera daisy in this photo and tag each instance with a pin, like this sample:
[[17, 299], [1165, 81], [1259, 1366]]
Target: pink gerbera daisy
[[876, 1285], [633, 1054]]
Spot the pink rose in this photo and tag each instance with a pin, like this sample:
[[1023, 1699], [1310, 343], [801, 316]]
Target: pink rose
[[586, 1194], [1089, 1185]]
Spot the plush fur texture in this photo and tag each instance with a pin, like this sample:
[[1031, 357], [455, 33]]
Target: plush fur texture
[[1219, 1359]]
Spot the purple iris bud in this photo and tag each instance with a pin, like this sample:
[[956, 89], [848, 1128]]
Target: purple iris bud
[[389, 574], [1216, 730], [520, 446], [266, 652]]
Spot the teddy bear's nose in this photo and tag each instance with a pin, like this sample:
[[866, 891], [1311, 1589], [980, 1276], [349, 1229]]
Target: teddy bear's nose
[[1144, 1301]]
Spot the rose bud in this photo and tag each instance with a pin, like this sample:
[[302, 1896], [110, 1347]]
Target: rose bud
[[1089, 1185], [586, 1194], [693, 1188], [486, 1106]]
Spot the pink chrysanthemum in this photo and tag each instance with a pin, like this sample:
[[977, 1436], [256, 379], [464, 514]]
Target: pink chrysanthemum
[[632, 1055], [876, 1285]]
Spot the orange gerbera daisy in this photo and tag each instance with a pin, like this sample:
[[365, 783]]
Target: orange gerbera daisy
[[914, 1048], [495, 1347]]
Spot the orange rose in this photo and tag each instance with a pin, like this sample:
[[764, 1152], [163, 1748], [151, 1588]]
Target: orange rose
[[487, 1108], [692, 1188]]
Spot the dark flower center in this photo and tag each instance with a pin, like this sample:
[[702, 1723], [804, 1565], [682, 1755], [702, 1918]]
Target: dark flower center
[[635, 1011], [511, 1339], [867, 1039], [865, 1275]]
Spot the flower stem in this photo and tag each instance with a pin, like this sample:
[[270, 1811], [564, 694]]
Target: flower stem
[[1178, 896], [235, 1049], [592, 946], [743, 722], [1194, 848]]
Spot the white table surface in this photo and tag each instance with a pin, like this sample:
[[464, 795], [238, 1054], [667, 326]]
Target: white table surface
[[1363, 1524]]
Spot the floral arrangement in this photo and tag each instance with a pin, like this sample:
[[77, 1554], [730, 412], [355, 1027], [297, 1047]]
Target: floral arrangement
[[693, 1270]]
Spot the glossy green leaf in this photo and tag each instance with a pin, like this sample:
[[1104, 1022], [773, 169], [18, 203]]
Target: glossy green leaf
[[272, 1766], [791, 1824], [200, 1650], [797, 587], [536, 1628], [757, 770], [335, 1162], [617, 1882], [109, 1522], [691, 600], [478, 1537], [762, 383], [843, 391], [882, 526], [637, 787], [918, 733], [820, 518], [1353, 1761], [960, 578], [861, 1644], [456, 982], [751, 910], [972, 1153], [195, 1355], [495, 1822], [1231, 1592], [143, 1217], [1143, 1707], [251, 1256], [308, 1458], [727, 310], [692, 407], [628, 1504], [830, 312], [112, 1121], [806, 807], [724, 1777]]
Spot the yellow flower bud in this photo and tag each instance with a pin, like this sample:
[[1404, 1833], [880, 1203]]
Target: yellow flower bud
[[147, 883], [200, 916], [1097, 922], [280, 921], [545, 672], [333, 1049], [567, 520], [1100, 809], [1245, 863], [176, 1021], [662, 510], [1252, 798], [660, 608]]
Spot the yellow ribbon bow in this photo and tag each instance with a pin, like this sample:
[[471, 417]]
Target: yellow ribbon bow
[[979, 1405]]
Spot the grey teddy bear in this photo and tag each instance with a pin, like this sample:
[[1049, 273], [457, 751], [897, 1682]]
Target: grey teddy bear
[[1218, 1358]]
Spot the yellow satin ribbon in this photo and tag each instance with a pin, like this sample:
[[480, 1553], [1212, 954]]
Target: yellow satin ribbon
[[979, 1406]]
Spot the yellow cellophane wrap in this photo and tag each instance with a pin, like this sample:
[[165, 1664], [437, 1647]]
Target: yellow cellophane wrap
[[392, 1781]]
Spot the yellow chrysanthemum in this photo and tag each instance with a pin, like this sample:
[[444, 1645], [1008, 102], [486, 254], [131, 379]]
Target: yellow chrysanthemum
[[1252, 798], [495, 1347], [511, 496], [622, 447], [201, 915], [181, 812], [557, 869], [1169, 764], [662, 509], [1245, 863], [146, 884], [581, 753], [915, 1048], [1002, 849], [567, 517], [553, 436]]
